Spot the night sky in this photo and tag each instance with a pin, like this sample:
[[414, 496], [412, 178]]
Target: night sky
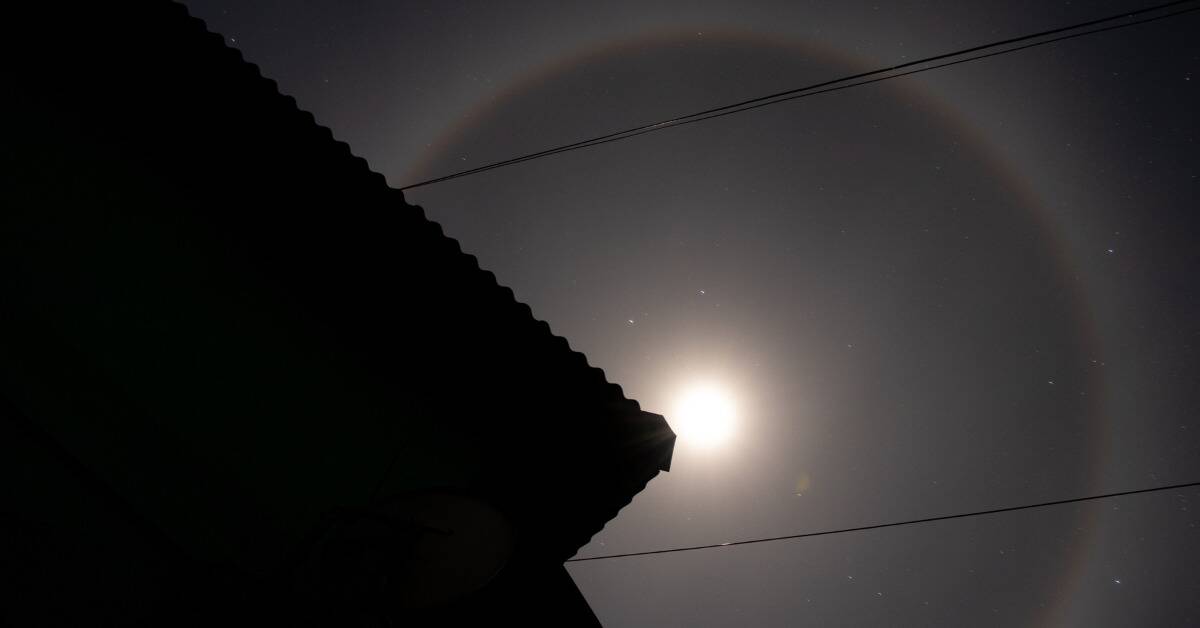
[[971, 288]]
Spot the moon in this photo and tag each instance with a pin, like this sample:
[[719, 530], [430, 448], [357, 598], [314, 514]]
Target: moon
[[705, 416]]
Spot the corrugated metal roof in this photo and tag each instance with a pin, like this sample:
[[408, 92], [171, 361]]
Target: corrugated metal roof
[[174, 189]]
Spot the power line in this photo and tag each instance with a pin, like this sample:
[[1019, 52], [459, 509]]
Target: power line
[[802, 92], [892, 76], [893, 524]]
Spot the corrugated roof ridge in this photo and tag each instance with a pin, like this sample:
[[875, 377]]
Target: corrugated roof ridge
[[610, 514], [293, 107], [613, 392], [510, 299]]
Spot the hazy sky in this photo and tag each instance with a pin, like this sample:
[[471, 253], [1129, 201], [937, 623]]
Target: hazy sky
[[972, 288]]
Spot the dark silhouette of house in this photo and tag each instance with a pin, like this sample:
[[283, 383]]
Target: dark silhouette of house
[[243, 381]]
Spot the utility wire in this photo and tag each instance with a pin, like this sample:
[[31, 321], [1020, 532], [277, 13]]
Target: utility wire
[[807, 90], [682, 122], [978, 513]]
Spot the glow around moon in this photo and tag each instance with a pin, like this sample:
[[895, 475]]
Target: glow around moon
[[704, 416]]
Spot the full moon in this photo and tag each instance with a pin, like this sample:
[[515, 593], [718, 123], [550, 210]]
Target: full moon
[[705, 416]]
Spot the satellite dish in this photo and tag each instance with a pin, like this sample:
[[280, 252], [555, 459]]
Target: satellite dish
[[412, 551]]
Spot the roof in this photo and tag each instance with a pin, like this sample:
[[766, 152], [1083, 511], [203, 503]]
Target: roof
[[195, 263]]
